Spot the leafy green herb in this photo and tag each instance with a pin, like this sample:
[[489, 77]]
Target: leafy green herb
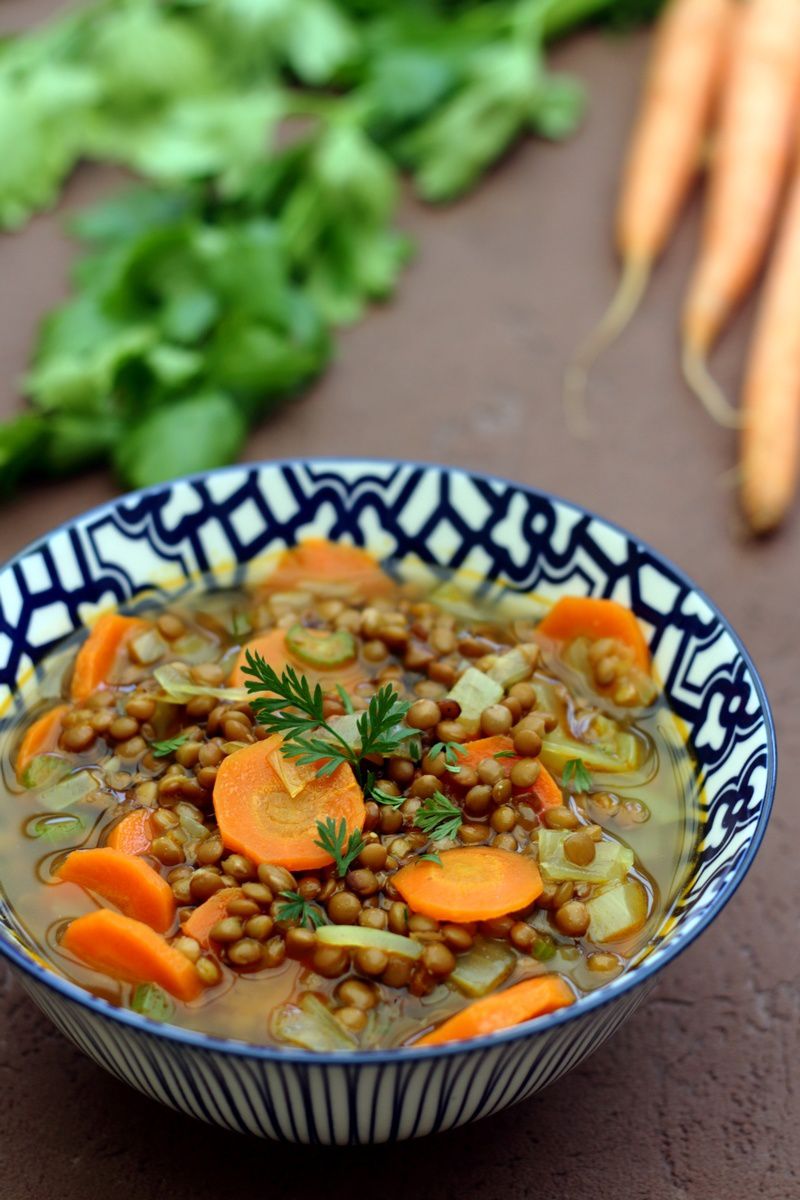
[[345, 699], [334, 840], [296, 712], [451, 751], [505, 754], [206, 299], [384, 798], [162, 749], [298, 909], [149, 1000], [434, 858], [576, 776], [438, 817]]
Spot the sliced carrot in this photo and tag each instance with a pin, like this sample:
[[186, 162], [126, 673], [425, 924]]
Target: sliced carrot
[[95, 659], [522, 1002], [472, 883], [130, 950], [272, 648], [320, 561], [125, 881], [41, 737], [206, 915], [545, 789], [267, 807], [586, 616], [133, 834]]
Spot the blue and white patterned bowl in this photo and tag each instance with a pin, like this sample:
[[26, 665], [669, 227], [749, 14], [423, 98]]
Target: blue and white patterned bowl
[[222, 523]]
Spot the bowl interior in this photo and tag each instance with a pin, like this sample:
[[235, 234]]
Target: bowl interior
[[501, 537]]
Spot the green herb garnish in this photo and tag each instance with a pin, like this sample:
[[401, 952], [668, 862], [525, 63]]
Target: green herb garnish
[[296, 712], [434, 858], [345, 699], [384, 798], [505, 754], [451, 750], [298, 909], [576, 776], [438, 817], [162, 749], [334, 840]]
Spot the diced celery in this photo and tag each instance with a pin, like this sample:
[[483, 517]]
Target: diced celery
[[617, 911], [483, 968], [311, 1026], [513, 667], [620, 753], [44, 770], [611, 859], [363, 937], [474, 692], [178, 687], [148, 647], [68, 791]]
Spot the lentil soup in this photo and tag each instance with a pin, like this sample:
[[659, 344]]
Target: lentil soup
[[334, 811]]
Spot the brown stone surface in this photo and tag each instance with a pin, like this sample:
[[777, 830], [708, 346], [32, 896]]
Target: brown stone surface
[[697, 1097]]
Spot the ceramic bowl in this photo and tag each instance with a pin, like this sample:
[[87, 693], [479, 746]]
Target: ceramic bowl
[[222, 524]]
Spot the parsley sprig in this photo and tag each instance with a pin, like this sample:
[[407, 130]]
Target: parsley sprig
[[438, 817], [334, 840], [162, 749], [297, 908], [576, 775], [451, 752], [292, 709]]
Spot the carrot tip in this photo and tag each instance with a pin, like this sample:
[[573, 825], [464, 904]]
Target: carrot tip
[[625, 301], [707, 390]]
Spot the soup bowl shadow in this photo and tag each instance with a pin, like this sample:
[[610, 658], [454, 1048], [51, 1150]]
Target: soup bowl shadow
[[223, 525]]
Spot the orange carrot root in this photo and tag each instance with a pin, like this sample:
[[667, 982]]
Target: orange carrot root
[[123, 880], [267, 807], [133, 834], [586, 616], [664, 158], [41, 737], [502, 1010], [756, 131], [130, 950], [470, 884], [95, 659]]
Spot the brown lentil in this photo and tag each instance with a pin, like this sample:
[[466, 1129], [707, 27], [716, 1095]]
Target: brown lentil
[[579, 848], [572, 918]]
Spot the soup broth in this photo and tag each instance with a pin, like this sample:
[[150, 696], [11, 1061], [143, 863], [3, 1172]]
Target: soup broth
[[540, 749]]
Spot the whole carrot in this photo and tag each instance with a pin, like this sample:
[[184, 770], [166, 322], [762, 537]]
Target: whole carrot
[[770, 446], [663, 159], [759, 109]]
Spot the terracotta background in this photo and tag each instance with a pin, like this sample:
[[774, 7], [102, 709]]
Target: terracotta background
[[697, 1097]]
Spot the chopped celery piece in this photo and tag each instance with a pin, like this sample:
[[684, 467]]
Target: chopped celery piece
[[148, 647], [321, 647], [483, 968], [620, 753], [68, 790], [617, 911], [55, 827], [151, 1001], [310, 1026], [513, 667], [611, 860], [178, 687], [505, 606], [194, 648], [44, 770], [363, 937], [474, 692]]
